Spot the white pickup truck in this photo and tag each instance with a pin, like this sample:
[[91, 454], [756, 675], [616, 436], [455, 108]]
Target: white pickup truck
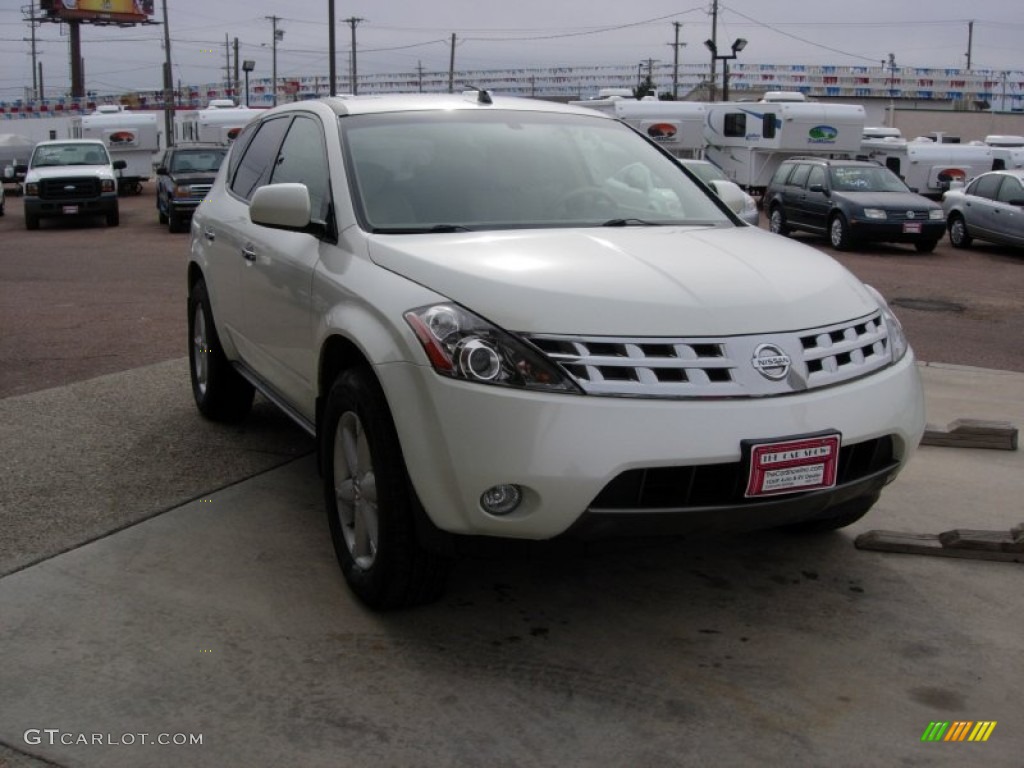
[[73, 177]]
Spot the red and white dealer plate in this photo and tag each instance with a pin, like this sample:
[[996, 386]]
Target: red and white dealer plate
[[788, 466]]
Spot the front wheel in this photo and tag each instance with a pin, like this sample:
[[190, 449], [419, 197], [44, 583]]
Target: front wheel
[[113, 218], [958, 234], [31, 220], [371, 504], [926, 246], [219, 390], [839, 233]]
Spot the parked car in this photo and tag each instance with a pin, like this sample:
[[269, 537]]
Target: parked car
[[72, 177], [490, 332], [990, 207], [744, 206], [850, 202], [182, 181]]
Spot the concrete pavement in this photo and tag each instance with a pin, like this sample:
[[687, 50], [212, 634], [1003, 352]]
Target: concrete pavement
[[226, 617]]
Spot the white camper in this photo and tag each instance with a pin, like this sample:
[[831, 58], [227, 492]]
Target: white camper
[[929, 167], [678, 126], [129, 136], [219, 123], [749, 140]]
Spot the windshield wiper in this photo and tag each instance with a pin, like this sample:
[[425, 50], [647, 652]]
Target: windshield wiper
[[450, 228], [628, 222], [437, 228]]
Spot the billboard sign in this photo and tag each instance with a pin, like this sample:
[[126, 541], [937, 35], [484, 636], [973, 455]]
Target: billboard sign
[[98, 11]]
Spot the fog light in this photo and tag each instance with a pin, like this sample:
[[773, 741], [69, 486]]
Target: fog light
[[501, 499]]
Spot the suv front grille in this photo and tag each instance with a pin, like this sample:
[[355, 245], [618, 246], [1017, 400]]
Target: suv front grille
[[719, 367], [712, 485], [69, 189]]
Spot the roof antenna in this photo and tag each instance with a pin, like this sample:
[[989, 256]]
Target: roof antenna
[[482, 96]]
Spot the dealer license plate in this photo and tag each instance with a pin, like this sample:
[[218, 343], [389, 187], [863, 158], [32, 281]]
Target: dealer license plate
[[911, 227], [787, 466], [70, 210]]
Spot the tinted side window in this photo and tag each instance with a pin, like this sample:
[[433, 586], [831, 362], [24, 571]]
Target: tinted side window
[[238, 148], [987, 186], [303, 159], [799, 176], [257, 162], [817, 176], [1010, 190], [780, 175], [735, 124]]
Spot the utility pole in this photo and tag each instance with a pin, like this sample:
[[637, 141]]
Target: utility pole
[[675, 60], [168, 85], [238, 82], [892, 90], [331, 49], [227, 62], [970, 43], [36, 89], [352, 21], [451, 67], [278, 34], [714, 47], [419, 72]]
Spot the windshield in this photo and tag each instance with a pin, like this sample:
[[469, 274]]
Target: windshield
[[196, 161], [706, 172], [865, 179], [70, 154], [462, 170]]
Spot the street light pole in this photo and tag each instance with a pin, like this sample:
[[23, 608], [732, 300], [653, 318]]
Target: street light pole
[[738, 45], [248, 66]]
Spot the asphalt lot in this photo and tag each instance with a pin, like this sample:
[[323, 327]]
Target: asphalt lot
[[760, 649]]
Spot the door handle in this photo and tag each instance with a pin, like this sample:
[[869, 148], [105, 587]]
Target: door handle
[[209, 235], [249, 253]]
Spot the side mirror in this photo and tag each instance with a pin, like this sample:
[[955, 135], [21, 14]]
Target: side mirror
[[120, 165], [281, 206], [20, 170], [730, 193], [161, 171], [1017, 202]]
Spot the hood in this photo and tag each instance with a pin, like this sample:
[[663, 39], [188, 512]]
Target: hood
[[194, 177], [70, 172], [653, 281], [894, 200]]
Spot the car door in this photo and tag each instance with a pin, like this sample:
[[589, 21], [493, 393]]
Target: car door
[[979, 204], [794, 195], [278, 276], [1007, 213], [817, 203]]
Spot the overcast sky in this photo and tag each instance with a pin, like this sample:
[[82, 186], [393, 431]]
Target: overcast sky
[[400, 35]]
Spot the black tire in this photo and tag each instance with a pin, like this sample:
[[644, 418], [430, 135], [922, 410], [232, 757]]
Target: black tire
[[839, 233], [926, 246], [958, 234], [777, 221], [220, 392], [840, 516], [113, 218], [173, 222], [370, 501], [160, 215], [31, 220]]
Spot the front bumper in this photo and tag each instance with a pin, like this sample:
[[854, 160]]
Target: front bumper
[[71, 207], [460, 439], [892, 231]]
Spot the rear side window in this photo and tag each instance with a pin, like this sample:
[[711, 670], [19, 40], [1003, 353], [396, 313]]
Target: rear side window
[[257, 162], [817, 176], [799, 177], [1010, 190], [780, 175], [987, 186]]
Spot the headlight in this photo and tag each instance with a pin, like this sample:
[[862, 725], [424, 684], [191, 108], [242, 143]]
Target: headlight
[[32, 189], [182, 191], [874, 213], [935, 213], [898, 344], [463, 346], [107, 185]]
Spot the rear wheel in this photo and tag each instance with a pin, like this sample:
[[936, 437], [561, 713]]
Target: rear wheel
[[371, 504], [839, 233], [958, 234], [219, 390], [777, 221]]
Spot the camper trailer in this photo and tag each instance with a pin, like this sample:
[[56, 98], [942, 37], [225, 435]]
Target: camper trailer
[[129, 136], [929, 167], [749, 140], [678, 126], [219, 123]]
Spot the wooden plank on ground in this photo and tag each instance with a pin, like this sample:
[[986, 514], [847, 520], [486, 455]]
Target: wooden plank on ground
[[972, 433], [927, 544], [992, 541]]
